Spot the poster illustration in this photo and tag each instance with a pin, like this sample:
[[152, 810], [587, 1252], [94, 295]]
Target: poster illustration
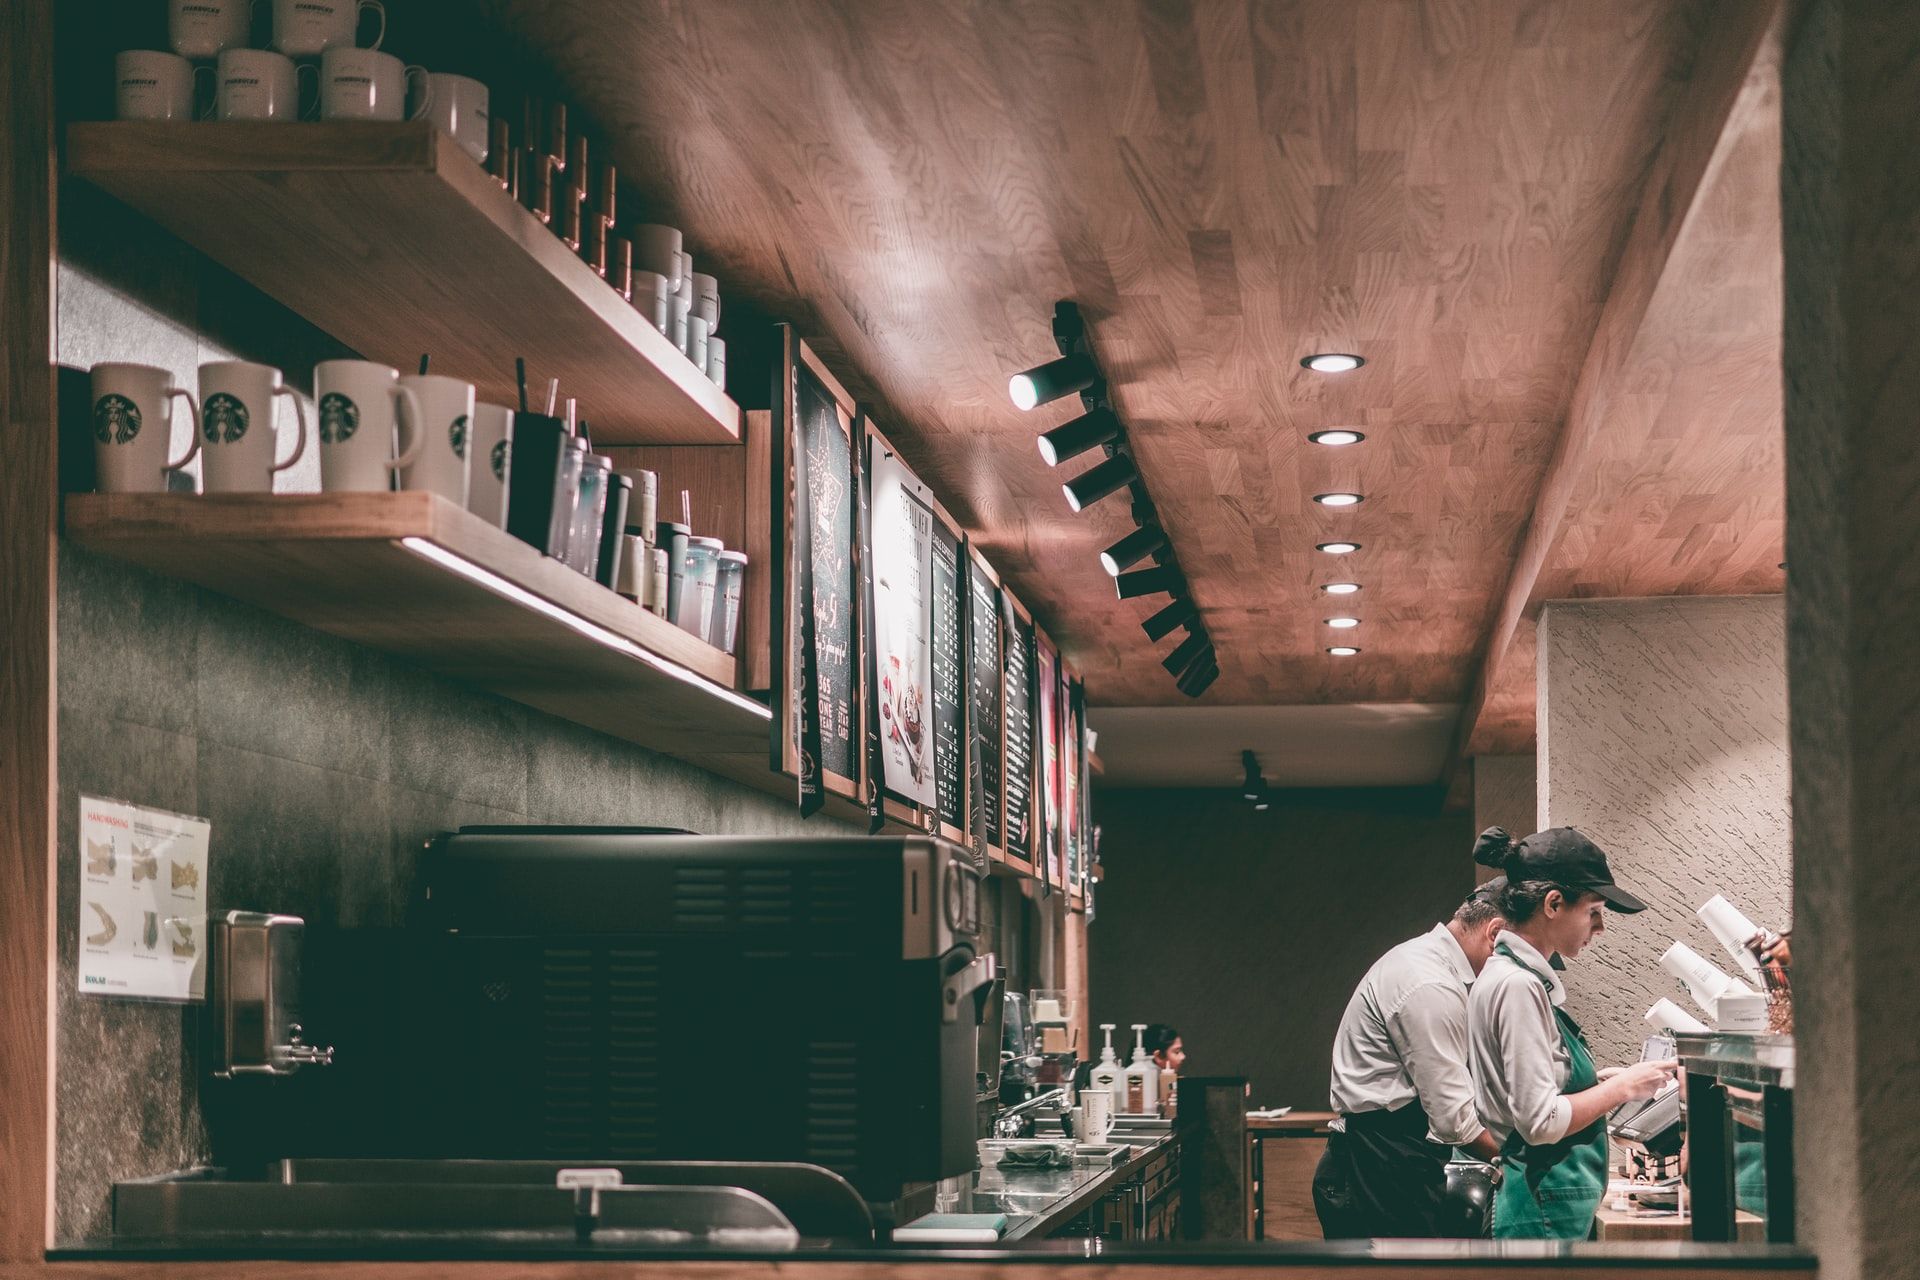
[[903, 618], [143, 902]]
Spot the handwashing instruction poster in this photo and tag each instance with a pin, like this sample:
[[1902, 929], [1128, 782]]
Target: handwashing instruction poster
[[143, 901]]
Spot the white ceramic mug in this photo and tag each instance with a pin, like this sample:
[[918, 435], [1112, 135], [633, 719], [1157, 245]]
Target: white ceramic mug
[[651, 298], [657, 248], [706, 299], [717, 362], [437, 443], [365, 84], [1097, 1113], [256, 84], [133, 425], [697, 342], [308, 28], [236, 426], [151, 85], [357, 405], [202, 28], [677, 320], [458, 105], [489, 472]]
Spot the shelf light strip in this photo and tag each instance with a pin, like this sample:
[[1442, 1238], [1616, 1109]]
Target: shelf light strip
[[591, 630]]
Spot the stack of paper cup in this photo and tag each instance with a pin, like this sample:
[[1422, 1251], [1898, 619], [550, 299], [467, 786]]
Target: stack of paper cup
[[1705, 981], [1668, 1016], [1734, 930]]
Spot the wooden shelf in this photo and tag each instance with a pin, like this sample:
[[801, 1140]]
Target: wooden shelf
[[393, 240], [416, 576]]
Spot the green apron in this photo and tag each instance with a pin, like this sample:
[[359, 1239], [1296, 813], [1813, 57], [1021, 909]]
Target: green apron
[[1553, 1192]]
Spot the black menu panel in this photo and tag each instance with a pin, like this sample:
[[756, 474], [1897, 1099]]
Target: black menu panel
[[984, 693], [826, 468], [1019, 714], [949, 679]]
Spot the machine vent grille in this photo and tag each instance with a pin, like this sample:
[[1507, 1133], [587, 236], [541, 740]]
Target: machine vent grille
[[600, 1082], [833, 1105]]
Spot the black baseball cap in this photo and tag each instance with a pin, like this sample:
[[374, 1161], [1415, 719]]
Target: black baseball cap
[[1561, 855]]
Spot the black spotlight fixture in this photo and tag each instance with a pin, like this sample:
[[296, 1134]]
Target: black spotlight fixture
[[1071, 439], [1071, 373], [1170, 619], [1110, 477], [1158, 580], [1187, 653], [1199, 678], [1132, 549], [1255, 784]]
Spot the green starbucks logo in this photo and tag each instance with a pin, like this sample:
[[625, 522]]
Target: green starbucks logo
[[223, 419], [499, 460], [116, 419], [457, 436], [339, 418]]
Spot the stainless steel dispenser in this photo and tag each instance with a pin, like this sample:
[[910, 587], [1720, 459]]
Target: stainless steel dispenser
[[254, 994]]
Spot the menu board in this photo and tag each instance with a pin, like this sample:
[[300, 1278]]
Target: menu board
[[1071, 760], [983, 697], [1016, 665], [824, 466], [902, 550], [949, 681], [1049, 683]]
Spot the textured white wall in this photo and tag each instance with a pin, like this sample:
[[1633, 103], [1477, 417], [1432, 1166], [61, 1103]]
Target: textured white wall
[[1663, 736]]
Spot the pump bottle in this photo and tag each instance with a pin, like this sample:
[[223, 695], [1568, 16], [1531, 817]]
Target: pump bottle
[[1107, 1074], [1141, 1077]]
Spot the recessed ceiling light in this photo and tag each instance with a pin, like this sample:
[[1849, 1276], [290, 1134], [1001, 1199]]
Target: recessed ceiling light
[[1342, 624], [1342, 650], [1340, 436], [1338, 499], [1337, 548], [1333, 362], [1341, 588]]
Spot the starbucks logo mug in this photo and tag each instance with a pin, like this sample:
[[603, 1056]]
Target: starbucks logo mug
[[437, 441], [236, 426], [149, 84], [132, 427], [308, 28], [488, 448], [358, 406], [202, 28]]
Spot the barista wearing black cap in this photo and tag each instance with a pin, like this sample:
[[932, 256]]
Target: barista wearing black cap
[[1535, 1083], [1401, 1086]]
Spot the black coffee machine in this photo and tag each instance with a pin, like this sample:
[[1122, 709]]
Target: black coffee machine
[[611, 994]]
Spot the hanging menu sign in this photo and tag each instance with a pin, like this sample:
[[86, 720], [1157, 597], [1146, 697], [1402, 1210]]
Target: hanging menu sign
[[949, 682], [983, 676], [824, 463], [1049, 684], [1017, 666], [902, 548]]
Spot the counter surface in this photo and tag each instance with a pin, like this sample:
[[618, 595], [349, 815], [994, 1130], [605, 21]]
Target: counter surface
[[1037, 1201]]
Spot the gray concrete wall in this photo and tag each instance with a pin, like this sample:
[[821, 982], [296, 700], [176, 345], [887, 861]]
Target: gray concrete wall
[[1248, 931], [1663, 736], [1504, 795], [323, 766]]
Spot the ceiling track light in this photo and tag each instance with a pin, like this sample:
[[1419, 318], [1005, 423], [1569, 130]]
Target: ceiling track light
[[1254, 784], [1133, 548], [1044, 383], [1199, 680], [1159, 580], [1186, 653], [1170, 619], [1110, 477], [1071, 439]]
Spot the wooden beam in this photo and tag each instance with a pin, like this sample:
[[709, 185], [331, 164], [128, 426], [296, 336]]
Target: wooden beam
[[1732, 75], [27, 490]]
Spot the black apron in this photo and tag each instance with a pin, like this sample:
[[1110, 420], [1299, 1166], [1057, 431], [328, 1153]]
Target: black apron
[[1382, 1177]]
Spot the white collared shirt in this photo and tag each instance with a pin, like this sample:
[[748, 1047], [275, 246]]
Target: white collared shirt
[[1520, 1064], [1404, 1037]]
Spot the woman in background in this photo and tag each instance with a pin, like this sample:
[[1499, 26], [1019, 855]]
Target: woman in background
[[1534, 1080]]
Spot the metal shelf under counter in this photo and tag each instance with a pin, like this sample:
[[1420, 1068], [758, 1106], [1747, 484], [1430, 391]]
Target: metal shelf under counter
[[1739, 1094]]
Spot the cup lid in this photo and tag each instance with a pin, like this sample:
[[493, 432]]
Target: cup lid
[[713, 544], [731, 554]]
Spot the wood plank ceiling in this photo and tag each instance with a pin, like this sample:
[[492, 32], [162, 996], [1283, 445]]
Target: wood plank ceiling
[[1224, 186]]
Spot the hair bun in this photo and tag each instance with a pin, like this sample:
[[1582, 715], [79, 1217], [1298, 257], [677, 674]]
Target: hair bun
[[1491, 849]]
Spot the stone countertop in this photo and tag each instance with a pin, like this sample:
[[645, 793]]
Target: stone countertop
[[1038, 1200]]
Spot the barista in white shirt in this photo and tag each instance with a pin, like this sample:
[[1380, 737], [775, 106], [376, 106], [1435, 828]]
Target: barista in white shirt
[[1400, 1082], [1536, 1085]]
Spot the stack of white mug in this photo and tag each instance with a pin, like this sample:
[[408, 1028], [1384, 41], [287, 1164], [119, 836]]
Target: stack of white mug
[[351, 83], [682, 303], [375, 430]]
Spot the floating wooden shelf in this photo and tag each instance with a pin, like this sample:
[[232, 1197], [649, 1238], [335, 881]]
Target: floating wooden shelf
[[414, 575], [390, 238]]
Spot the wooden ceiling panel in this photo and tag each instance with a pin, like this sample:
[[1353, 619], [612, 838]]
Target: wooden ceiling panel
[[1223, 186]]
